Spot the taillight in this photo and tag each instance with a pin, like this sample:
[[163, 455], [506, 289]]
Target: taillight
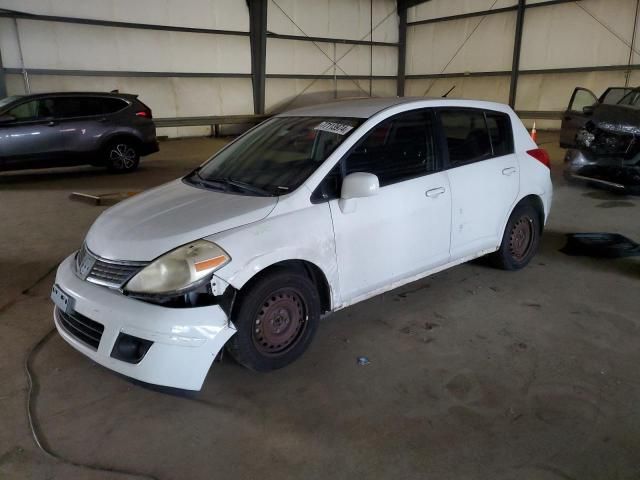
[[541, 155], [144, 114]]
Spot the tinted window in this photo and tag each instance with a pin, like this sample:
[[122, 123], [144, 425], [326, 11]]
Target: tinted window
[[399, 148], [68, 107], [466, 134], [112, 105], [499, 126]]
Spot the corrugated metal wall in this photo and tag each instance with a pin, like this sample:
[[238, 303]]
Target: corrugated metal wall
[[588, 33], [136, 52]]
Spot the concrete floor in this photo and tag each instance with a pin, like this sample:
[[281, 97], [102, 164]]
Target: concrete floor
[[475, 373]]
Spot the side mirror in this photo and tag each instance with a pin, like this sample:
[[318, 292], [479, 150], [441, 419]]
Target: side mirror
[[357, 185], [588, 110], [7, 118]]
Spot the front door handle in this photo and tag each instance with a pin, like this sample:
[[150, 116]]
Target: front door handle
[[435, 192], [509, 171], [52, 123]]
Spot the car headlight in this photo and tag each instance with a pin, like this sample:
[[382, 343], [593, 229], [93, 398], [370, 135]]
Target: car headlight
[[179, 269]]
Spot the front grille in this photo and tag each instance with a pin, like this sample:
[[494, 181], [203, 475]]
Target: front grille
[[110, 273], [81, 327]]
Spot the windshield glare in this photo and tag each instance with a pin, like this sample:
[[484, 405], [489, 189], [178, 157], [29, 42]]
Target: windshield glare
[[7, 100], [631, 99], [280, 154]]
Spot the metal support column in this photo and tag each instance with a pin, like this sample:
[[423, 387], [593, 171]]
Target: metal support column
[[402, 47], [258, 39], [517, 44]]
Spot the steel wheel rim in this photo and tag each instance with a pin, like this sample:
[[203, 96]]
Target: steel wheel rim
[[280, 322], [521, 238], [122, 156]]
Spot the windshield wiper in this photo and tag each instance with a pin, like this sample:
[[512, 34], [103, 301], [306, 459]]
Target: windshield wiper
[[226, 182], [248, 187]]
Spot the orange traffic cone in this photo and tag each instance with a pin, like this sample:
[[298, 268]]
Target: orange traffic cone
[[534, 133]]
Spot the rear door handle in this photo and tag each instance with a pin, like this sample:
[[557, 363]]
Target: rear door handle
[[509, 171], [435, 192], [52, 123]]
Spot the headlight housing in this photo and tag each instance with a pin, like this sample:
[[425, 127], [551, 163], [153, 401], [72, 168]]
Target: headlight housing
[[179, 270]]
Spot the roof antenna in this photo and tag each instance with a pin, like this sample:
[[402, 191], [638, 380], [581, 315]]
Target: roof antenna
[[450, 90], [115, 91]]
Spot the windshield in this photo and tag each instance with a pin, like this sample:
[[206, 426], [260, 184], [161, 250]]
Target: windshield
[[7, 100], [276, 157], [631, 99], [614, 95]]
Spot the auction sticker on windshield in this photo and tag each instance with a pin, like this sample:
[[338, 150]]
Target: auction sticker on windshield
[[334, 127]]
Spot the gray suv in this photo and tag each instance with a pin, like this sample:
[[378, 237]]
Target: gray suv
[[62, 129]]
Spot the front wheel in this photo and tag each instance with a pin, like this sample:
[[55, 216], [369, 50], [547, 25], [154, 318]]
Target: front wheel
[[276, 320], [520, 240], [122, 156]]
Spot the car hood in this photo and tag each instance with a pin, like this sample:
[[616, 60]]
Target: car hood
[[617, 119], [161, 219]]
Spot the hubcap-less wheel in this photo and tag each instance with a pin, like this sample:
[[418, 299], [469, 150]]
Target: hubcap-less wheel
[[521, 238], [122, 156], [280, 322]]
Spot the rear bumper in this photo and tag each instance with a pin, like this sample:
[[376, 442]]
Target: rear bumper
[[185, 340]]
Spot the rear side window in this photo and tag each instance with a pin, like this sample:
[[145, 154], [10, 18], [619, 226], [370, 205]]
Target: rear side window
[[112, 105], [467, 135], [500, 133], [397, 149]]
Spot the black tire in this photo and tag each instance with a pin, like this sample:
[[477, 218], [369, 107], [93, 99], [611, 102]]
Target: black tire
[[520, 240], [122, 156], [276, 319]]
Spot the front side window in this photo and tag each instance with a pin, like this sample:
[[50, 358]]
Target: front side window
[[467, 136], [25, 111], [276, 157], [397, 149]]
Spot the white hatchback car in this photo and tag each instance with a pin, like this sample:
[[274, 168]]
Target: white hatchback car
[[309, 212]]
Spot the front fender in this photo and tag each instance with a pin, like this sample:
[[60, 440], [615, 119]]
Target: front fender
[[305, 234]]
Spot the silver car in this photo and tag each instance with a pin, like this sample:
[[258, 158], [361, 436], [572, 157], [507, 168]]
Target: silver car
[[62, 129]]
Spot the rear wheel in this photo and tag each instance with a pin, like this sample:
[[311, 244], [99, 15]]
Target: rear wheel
[[520, 240], [122, 156], [276, 320]]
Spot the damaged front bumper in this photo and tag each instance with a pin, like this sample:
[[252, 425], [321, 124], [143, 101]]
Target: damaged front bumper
[[614, 173], [180, 344]]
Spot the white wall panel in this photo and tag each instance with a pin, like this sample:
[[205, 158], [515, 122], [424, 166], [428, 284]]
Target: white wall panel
[[552, 92], [445, 8], [285, 94], [214, 14], [430, 47], [494, 89], [334, 18], [83, 47], [315, 58], [565, 35]]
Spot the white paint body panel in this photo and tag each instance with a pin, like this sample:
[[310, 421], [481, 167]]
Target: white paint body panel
[[393, 235], [186, 341], [378, 243], [158, 220]]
